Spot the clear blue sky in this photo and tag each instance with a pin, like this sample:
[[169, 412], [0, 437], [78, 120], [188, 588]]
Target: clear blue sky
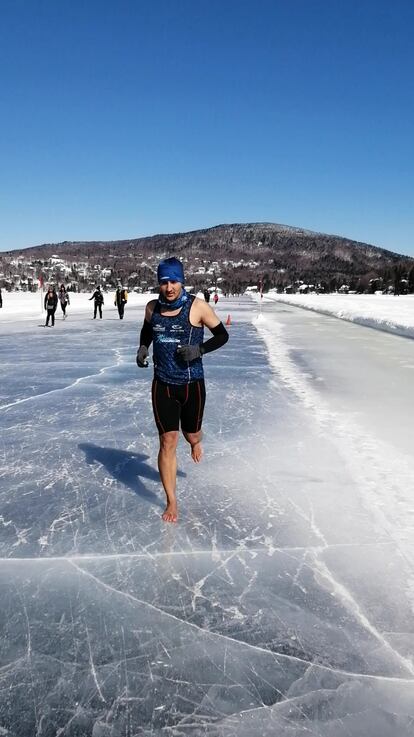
[[133, 117]]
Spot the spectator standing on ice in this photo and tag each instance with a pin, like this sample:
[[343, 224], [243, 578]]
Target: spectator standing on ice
[[121, 298], [215, 298], [50, 304], [175, 323], [99, 300], [206, 295], [63, 299]]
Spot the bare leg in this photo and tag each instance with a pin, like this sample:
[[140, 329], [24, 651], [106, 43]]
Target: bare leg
[[194, 438], [167, 466]]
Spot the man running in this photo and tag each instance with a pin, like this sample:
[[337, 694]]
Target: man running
[[175, 324]]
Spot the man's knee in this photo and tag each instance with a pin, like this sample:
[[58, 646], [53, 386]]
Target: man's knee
[[169, 441], [193, 437]]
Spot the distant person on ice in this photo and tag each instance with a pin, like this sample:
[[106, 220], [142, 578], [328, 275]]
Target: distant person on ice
[[50, 304], [63, 299], [121, 298], [175, 324], [206, 295], [1, 299], [99, 300], [215, 298]]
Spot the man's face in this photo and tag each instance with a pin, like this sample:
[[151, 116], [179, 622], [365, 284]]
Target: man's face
[[170, 290]]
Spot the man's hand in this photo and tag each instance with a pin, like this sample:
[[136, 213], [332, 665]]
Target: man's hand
[[188, 353], [142, 356]]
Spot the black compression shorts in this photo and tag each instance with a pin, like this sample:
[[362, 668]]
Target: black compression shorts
[[174, 402]]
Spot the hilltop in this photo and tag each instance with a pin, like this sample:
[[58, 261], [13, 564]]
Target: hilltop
[[235, 255]]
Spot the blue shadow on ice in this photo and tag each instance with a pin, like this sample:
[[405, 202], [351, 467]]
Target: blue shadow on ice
[[126, 467]]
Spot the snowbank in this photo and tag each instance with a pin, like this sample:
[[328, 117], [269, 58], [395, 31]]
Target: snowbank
[[380, 311]]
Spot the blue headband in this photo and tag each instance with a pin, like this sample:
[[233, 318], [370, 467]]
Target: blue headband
[[170, 269]]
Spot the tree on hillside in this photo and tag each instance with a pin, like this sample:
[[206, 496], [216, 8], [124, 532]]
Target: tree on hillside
[[411, 280], [399, 273], [363, 284]]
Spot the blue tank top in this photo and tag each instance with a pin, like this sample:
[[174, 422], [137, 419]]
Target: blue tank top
[[168, 334]]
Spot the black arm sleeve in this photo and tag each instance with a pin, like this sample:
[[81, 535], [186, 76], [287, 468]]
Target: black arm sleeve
[[146, 334], [220, 337]]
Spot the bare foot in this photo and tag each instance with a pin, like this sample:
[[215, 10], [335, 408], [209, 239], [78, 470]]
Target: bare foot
[[170, 513], [197, 452]]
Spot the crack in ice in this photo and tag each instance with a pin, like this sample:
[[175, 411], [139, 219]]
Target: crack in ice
[[59, 389], [242, 550], [242, 644]]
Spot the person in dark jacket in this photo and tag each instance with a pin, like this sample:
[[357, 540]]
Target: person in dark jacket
[[121, 298], [1, 299], [50, 304], [99, 300], [63, 299]]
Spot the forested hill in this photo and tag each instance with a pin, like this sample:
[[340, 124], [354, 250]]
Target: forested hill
[[267, 250], [281, 242]]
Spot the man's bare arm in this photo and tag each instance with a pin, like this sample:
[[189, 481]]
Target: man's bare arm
[[149, 309], [205, 315]]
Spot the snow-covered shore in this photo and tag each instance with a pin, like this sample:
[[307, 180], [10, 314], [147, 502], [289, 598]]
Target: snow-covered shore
[[24, 306], [383, 312]]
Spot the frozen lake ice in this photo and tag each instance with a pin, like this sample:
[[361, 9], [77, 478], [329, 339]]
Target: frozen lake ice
[[280, 604]]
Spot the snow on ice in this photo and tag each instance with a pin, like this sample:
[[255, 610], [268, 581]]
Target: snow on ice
[[384, 312]]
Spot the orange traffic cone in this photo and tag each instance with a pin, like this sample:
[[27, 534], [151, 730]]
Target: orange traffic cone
[[228, 321]]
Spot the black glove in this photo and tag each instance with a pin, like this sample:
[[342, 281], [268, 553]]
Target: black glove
[[142, 356], [189, 352]]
